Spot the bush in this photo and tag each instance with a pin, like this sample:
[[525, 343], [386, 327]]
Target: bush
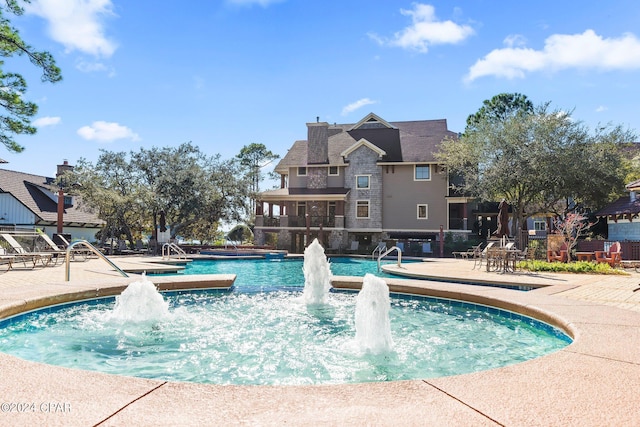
[[570, 267]]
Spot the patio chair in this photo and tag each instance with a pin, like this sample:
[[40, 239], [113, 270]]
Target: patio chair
[[22, 255], [482, 255], [613, 256], [560, 255], [470, 253]]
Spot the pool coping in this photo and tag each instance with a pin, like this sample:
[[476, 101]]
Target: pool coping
[[573, 386]]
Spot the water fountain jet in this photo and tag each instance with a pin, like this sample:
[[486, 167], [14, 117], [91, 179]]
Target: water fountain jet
[[140, 302], [373, 328], [317, 274]]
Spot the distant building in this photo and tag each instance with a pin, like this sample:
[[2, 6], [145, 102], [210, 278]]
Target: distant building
[[623, 215], [31, 201]]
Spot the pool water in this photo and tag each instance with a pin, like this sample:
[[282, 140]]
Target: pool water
[[253, 336], [276, 273]]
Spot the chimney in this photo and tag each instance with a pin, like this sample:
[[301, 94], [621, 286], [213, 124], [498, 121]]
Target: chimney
[[317, 143], [65, 166]]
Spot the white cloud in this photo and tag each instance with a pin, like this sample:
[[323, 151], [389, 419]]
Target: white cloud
[[425, 30], [356, 105], [77, 24], [601, 108], [561, 51], [46, 121], [107, 132]]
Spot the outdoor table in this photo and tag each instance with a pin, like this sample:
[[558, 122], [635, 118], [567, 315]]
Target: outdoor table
[[585, 256], [502, 259]]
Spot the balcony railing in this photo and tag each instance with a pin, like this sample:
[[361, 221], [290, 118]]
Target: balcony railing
[[271, 221], [301, 221]]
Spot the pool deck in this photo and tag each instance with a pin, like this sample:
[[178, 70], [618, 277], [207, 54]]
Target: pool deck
[[594, 381]]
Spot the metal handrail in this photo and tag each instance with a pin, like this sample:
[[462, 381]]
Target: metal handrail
[[379, 250], [393, 248], [93, 249], [168, 246]]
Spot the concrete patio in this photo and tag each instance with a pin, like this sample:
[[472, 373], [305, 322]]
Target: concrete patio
[[593, 382]]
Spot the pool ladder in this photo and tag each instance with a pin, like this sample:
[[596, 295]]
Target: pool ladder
[[166, 251], [387, 252], [93, 249]]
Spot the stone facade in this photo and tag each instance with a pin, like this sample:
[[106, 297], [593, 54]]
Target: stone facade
[[363, 161]]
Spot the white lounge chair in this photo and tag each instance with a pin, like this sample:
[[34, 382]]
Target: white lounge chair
[[24, 256]]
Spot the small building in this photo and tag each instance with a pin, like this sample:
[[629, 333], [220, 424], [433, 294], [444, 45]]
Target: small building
[[623, 215], [30, 201]]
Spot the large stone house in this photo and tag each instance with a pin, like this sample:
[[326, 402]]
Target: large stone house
[[355, 185], [30, 201]]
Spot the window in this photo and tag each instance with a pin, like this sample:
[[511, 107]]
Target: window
[[362, 182], [539, 225], [302, 208], [302, 171], [333, 171], [423, 211], [362, 209], [422, 173], [332, 209]]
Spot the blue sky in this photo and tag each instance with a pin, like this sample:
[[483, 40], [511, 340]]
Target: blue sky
[[228, 73]]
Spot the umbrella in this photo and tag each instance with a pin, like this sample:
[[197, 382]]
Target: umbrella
[[503, 219], [163, 222]]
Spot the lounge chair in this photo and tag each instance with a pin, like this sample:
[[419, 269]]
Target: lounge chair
[[57, 251], [560, 255], [613, 256], [24, 256], [6, 262], [470, 253]]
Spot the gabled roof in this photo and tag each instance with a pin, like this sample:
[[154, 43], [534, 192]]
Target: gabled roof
[[372, 121], [35, 193], [408, 141], [363, 143], [633, 186]]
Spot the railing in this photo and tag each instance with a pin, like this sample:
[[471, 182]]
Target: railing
[[92, 249], [166, 251], [379, 249], [269, 221], [314, 221], [387, 252]]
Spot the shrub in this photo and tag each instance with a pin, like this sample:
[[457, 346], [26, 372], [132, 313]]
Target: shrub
[[570, 267]]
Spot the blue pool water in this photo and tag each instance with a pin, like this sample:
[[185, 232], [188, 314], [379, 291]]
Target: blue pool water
[[265, 273], [274, 338]]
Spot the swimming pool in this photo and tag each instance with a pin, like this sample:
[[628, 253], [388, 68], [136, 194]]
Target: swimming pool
[[272, 337]]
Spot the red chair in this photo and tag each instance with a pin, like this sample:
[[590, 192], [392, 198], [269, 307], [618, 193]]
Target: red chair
[[613, 256], [560, 255]]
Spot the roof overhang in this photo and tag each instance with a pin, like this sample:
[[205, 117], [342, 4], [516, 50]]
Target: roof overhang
[[304, 194]]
